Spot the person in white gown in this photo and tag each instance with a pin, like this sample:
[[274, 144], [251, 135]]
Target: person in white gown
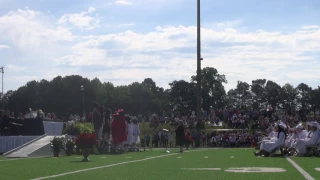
[[300, 133], [272, 136], [270, 146], [291, 138], [136, 132], [130, 133], [301, 146]]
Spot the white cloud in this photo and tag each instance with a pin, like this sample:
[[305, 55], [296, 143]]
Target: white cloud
[[82, 20], [26, 29], [123, 2], [165, 54], [15, 68], [126, 24], [4, 46]]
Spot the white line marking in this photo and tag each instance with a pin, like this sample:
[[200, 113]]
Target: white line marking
[[317, 169], [254, 169], [303, 172], [202, 169], [106, 166], [15, 159], [100, 167]]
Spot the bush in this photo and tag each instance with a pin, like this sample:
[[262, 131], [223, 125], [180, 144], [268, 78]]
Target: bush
[[57, 144], [78, 128]]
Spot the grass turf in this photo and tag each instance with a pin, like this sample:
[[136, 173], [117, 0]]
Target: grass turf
[[309, 164], [168, 167]]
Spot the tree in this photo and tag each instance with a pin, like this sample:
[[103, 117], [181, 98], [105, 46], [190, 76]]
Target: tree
[[258, 88], [273, 94], [304, 92], [315, 99], [289, 97], [213, 92], [182, 95]]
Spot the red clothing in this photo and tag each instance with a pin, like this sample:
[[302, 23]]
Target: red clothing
[[188, 138], [119, 128]]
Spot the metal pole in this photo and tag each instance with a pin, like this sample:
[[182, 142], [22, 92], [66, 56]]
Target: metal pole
[[82, 89], [199, 113], [2, 96]]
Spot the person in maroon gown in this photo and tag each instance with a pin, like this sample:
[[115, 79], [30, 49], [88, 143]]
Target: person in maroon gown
[[119, 128], [122, 125]]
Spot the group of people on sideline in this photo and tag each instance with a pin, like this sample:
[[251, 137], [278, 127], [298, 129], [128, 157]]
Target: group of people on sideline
[[297, 140]]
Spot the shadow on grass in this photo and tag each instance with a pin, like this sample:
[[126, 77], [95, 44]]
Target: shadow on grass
[[80, 161]]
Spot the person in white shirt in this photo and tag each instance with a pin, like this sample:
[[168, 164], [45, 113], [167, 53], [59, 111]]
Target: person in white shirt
[[270, 146], [311, 140]]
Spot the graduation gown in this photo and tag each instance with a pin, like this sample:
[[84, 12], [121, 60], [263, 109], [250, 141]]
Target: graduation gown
[[130, 133], [271, 138], [119, 134], [301, 146], [136, 133], [300, 136], [271, 145]]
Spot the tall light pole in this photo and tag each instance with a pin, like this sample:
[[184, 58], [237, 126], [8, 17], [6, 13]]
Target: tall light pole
[[199, 97], [2, 95], [82, 89]]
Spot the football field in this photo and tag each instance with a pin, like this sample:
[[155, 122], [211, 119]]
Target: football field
[[195, 164]]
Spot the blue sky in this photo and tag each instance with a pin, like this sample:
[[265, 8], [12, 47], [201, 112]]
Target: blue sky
[[123, 41]]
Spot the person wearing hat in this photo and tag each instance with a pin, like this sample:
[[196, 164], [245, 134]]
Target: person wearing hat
[[302, 144], [309, 132], [116, 137], [122, 126], [269, 147], [300, 134], [291, 137]]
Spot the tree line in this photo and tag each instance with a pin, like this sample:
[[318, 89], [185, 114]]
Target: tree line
[[64, 95]]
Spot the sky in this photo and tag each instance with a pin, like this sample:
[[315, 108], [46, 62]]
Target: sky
[[125, 41]]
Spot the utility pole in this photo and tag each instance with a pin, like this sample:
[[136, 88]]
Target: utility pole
[[82, 89], [2, 95], [199, 97]]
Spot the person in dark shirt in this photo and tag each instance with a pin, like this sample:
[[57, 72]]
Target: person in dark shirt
[[180, 136]]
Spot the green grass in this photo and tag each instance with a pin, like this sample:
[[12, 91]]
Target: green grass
[[309, 164], [145, 128], [168, 167]]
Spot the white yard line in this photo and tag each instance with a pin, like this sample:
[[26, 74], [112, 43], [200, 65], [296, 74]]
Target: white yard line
[[107, 166], [302, 172], [16, 159], [100, 167]]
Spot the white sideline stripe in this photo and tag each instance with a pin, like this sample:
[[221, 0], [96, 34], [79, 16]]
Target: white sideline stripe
[[16, 159], [303, 172], [106, 166], [100, 167]]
